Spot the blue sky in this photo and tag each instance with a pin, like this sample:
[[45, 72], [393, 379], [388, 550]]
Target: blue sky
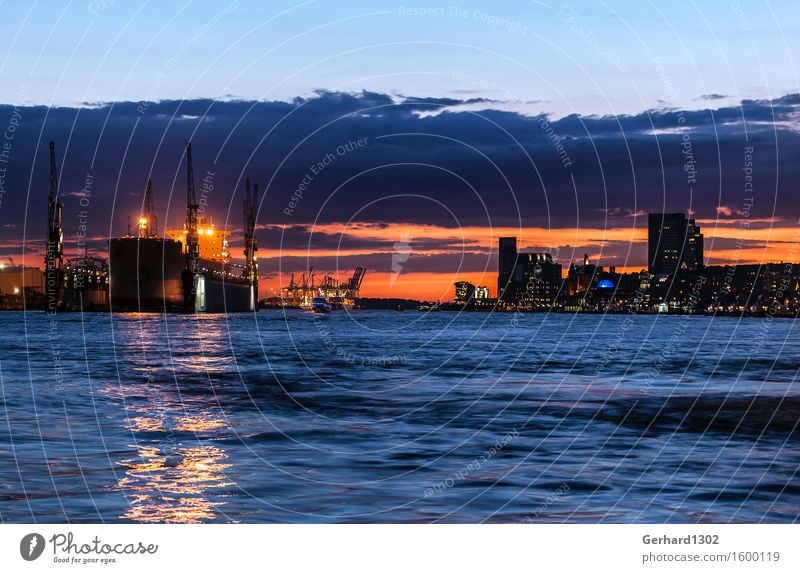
[[558, 57]]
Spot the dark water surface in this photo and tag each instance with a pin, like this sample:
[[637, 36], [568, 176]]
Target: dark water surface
[[398, 417]]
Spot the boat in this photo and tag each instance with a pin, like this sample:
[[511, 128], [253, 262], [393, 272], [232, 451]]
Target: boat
[[320, 304]]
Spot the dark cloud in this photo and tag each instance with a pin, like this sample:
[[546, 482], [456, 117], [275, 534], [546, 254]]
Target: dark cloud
[[467, 262], [308, 237], [423, 160]]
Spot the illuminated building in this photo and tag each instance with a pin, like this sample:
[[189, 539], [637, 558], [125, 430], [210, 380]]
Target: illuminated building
[[481, 292], [673, 243], [531, 280], [581, 277], [465, 291], [693, 253], [21, 287], [16, 279], [537, 279]]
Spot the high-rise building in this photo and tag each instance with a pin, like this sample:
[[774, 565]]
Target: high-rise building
[[693, 254], [673, 243], [507, 258]]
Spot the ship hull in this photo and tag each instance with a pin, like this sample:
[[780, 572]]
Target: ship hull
[[150, 275], [145, 275], [214, 294]]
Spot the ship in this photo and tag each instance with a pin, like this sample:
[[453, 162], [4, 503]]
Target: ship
[[320, 304], [188, 270]]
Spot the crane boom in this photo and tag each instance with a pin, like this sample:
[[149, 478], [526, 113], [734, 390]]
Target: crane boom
[[192, 240], [54, 253], [250, 241]]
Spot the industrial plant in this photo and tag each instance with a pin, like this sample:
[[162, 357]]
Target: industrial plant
[[189, 269]]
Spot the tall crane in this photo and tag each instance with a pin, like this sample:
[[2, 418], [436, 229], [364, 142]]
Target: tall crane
[[54, 253], [192, 240], [250, 241], [354, 282]]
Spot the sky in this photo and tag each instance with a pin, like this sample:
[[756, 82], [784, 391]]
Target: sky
[[424, 131]]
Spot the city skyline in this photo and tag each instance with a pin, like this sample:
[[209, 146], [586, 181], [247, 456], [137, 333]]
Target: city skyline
[[676, 280]]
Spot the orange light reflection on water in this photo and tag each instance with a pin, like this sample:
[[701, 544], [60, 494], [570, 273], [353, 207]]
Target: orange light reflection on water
[[174, 474], [172, 488]]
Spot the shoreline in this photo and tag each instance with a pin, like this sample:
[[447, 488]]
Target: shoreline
[[468, 310]]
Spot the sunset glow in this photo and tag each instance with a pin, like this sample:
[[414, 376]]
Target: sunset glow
[[726, 242]]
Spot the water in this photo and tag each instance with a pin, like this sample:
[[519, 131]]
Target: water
[[398, 417]]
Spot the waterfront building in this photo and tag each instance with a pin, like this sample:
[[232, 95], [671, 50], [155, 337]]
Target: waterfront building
[[673, 243], [465, 292], [580, 278], [507, 259], [527, 279], [21, 287]]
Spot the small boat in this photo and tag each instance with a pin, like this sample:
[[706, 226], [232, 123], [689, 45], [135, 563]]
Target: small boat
[[320, 304]]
